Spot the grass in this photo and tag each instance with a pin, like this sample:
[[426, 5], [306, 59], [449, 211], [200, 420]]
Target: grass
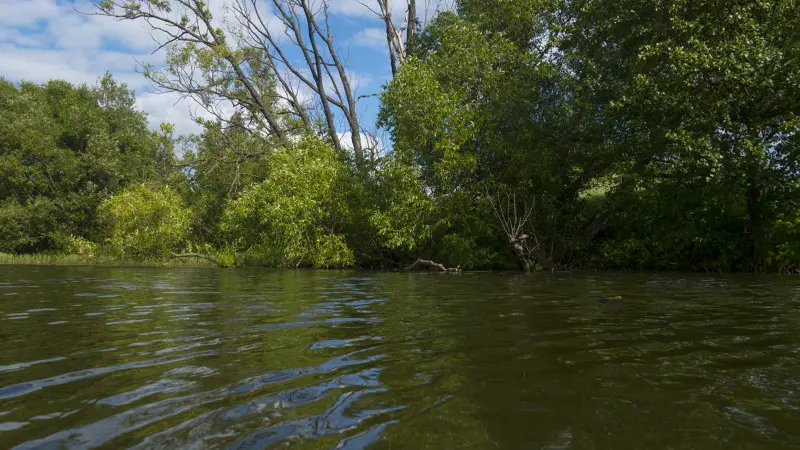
[[79, 260]]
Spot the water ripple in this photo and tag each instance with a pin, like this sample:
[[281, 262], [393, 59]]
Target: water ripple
[[201, 358]]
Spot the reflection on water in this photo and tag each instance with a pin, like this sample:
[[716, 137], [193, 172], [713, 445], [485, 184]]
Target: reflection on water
[[202, 358]]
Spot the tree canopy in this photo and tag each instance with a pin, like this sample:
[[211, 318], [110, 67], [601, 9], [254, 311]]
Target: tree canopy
[[63, 150]]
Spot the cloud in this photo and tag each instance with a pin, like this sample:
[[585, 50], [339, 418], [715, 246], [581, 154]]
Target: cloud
[[359, 80], [169, 107], [374, 38], [25, 13], [42, 40], [357, 7]]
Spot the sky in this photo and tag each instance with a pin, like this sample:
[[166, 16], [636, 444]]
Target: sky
[[42, 40]]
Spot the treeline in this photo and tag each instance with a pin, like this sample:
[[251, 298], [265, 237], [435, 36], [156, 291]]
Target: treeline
[[64, 150], [634, 134]]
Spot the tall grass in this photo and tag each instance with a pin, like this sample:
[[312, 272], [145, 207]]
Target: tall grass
[[72, 260]]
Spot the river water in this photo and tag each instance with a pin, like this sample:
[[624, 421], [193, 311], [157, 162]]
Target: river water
[[208, 358]]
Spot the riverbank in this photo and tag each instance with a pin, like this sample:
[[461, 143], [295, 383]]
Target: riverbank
[[46, 259]]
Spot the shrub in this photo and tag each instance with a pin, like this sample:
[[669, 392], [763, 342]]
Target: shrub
[[298, 214], [141, 221]]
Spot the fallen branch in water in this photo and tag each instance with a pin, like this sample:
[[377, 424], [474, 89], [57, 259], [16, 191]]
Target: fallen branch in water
[[195, 255], [431, 264]]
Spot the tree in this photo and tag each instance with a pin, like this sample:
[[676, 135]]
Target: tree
[[615, 119], [477, 114], [251, 66], [706, 92]]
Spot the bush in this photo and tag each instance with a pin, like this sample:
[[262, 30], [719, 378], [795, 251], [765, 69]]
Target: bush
[[298, 215], [142, 222], [79, 246], [785, 253]]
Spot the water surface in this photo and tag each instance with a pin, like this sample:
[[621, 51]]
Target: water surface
[[243, 359]]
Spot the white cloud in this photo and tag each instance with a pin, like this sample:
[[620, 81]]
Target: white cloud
[[19, 39], [374, 38], [41, 65], [169, 107], [358, 8], [359, 80], [24, 13], [42, 40]]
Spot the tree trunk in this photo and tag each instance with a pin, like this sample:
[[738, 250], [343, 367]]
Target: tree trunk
[[412, 22], [519, 253]]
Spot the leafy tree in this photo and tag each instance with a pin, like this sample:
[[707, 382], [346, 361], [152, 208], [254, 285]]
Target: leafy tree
[[706, 93], [617, 120], [220, 164], [623, 134]]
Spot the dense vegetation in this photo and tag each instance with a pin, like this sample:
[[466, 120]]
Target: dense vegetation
[[635, 134]]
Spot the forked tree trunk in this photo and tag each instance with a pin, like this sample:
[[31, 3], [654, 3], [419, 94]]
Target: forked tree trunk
[[513, 223]]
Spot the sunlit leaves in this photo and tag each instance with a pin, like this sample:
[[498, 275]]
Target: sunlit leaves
[[295, 217], [145, 222]]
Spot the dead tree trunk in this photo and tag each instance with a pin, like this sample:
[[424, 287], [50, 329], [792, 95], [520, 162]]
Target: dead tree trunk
[[518, 248], [411, 20]]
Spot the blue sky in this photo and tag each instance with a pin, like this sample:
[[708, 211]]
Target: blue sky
[[47, 39]]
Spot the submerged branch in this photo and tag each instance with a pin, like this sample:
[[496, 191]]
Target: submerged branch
[[196, 255], [426, 263]]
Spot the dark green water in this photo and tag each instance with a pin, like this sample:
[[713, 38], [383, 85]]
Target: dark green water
[[203, 358]]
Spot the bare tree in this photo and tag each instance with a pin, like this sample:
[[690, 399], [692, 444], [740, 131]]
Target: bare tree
[[398, 48], [411, 19], [251, 69], [513, 222], [394, 34]]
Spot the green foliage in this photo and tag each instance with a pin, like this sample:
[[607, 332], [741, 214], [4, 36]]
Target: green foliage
[[81, 247], [219, 173], [63, 149], [785, 254], [26, 226], [297, 215], [142, 221], [639, 134], [404, 219], [707, 95], [646, 134]]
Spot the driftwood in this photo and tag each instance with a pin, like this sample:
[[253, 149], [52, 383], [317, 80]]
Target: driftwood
[[195, 255], [426, 263]]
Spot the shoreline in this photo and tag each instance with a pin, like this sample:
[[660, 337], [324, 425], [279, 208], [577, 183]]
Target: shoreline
[[79, 261]]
